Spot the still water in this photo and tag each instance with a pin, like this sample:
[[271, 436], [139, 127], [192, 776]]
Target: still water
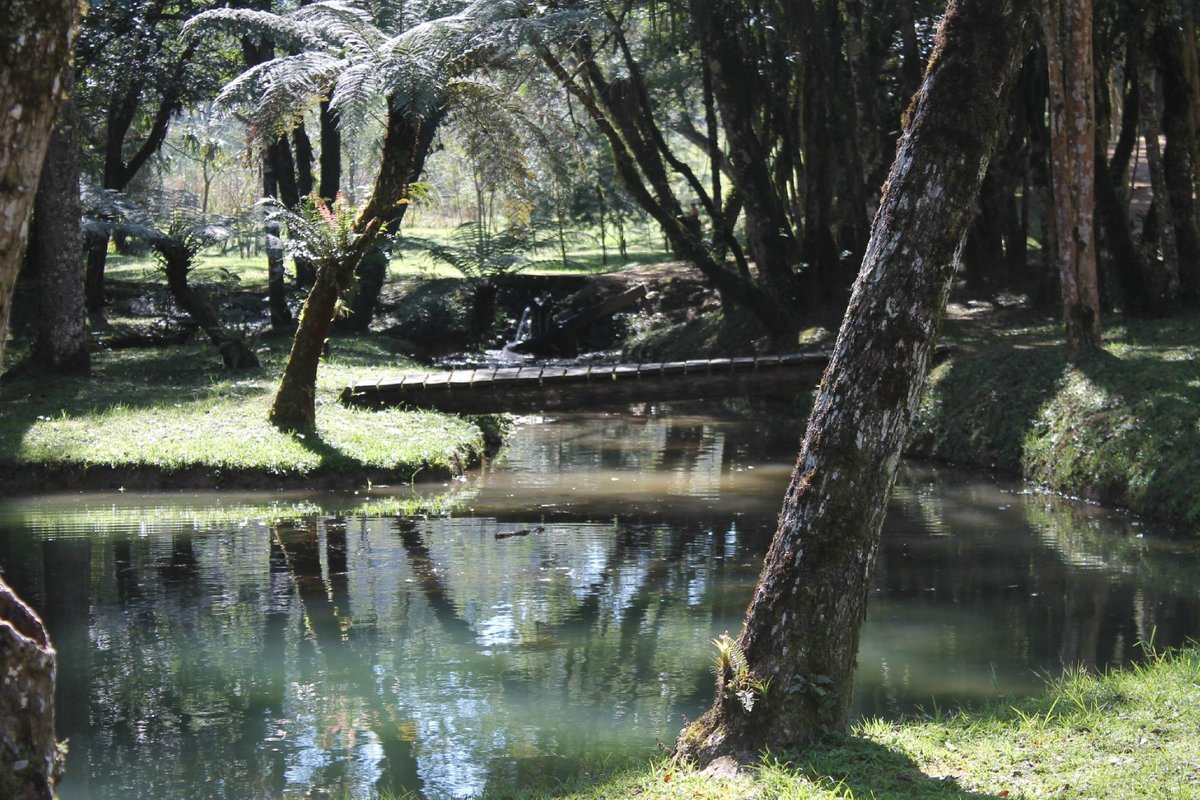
[[557, 621]]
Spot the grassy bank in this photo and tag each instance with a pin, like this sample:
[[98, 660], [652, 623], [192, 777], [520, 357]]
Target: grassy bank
[[1121, 426], [1127, 735], [153, 418]]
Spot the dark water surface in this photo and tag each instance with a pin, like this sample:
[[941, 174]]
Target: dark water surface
[[238, 646]]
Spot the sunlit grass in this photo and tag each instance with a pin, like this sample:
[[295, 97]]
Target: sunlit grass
[[1126, 735], [584, 256], [176, 409]]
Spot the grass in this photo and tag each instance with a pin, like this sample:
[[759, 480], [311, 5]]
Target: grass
[[175, 411], [1125, 735], [584, 257], [1121, 426]]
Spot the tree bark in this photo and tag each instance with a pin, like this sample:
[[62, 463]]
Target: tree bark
[[331, 153], [406, 145], [35, 48], [278, 182], [798, 647], [61, 344], [1068, 29], [294, 407], [31, 760], [1163, 280], [1181, 141]]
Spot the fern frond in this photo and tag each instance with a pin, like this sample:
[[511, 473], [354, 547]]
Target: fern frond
[[345, 26], [357, 91], [281, 29]]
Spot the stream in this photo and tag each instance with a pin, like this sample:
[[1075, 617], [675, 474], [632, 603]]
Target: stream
[[555, 623]]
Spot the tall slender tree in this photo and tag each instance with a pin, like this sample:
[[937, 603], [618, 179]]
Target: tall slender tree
[[1068, 34], [57, 245], [788, 676]]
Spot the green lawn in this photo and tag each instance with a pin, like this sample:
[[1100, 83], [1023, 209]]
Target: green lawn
[[1127, 735], [584, 257], [176, 411]]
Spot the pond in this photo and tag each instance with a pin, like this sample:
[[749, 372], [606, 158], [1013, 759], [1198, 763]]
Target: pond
[[556, 622]]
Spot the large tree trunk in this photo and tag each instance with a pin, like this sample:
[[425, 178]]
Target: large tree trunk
[[61, 344], [31, 761], [1068, 28], [35, 48], [790, 673]]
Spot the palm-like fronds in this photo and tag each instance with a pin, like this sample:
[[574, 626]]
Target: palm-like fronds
[[289, 31], [322, 233], [359, 53], [174, 223]]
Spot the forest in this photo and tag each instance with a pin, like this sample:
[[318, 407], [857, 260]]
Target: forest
[[317, 262]]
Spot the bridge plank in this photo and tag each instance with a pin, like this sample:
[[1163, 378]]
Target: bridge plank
[[537, 387]]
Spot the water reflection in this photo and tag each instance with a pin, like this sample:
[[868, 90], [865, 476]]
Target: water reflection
[[562, 622]]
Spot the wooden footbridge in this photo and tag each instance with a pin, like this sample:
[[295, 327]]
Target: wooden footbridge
[[544, 388]]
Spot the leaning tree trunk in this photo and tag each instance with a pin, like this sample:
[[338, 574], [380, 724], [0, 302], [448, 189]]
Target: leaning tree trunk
[[406, 144], [1068, 27], [61, 344], [789, 675], [295, 405], [31, 760], [177, 261], [35, 48]]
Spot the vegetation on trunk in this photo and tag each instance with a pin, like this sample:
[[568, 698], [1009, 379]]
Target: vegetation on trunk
[[800, 638]]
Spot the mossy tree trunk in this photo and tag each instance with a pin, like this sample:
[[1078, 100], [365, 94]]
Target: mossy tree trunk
[[35, 49], [62, 344], [295, 405], [792, 676]]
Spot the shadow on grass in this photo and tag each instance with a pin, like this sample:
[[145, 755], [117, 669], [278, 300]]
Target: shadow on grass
[[980, 411], [331, 457], [869, 769]]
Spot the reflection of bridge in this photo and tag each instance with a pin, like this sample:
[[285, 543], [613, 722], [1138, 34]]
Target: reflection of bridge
[[541, 388]]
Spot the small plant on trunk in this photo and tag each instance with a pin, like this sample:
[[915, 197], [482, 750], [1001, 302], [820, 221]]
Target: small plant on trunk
[[328, 235]]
